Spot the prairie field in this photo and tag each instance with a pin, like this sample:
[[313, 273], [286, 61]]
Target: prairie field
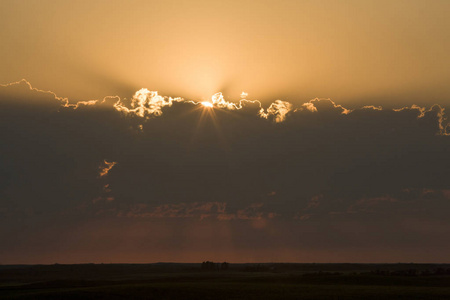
[[239, 281]]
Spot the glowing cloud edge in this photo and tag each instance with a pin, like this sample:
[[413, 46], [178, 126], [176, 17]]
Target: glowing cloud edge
[[147, 104]]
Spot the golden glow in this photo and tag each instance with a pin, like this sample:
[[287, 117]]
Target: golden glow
[[207, 104], [360, 52]]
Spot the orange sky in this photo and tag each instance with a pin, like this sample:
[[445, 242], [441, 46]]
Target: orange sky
[[356, 52]]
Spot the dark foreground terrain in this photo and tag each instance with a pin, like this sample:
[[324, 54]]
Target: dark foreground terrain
[[233, 281]]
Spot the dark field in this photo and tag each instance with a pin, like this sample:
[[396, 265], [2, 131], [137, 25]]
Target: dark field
[[238, 281]]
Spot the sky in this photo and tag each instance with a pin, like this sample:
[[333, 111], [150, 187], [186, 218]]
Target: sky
[[241, 131], [354, 52]]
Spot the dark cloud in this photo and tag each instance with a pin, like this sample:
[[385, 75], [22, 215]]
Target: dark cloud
[[335, 177]]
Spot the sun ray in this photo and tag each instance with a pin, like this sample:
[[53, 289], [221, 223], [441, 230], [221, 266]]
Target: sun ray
[[208, 110]]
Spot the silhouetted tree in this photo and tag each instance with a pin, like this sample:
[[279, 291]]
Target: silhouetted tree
[[208, 265]]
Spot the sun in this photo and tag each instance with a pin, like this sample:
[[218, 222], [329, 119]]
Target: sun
[[207, 104]]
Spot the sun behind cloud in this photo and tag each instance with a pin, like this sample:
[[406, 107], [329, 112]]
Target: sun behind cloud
[[207, 104]]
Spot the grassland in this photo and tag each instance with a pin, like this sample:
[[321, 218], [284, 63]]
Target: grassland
[[240, 281]]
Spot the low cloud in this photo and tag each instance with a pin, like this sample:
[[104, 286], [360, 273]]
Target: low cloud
[[195, 210]]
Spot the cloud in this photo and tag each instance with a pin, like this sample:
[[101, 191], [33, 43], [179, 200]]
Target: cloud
[[293, 170], [195, 210], [146, 103], [279, 109], [105, 168], [370, 204], [21, 93], [437, 109], [179, 210]]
